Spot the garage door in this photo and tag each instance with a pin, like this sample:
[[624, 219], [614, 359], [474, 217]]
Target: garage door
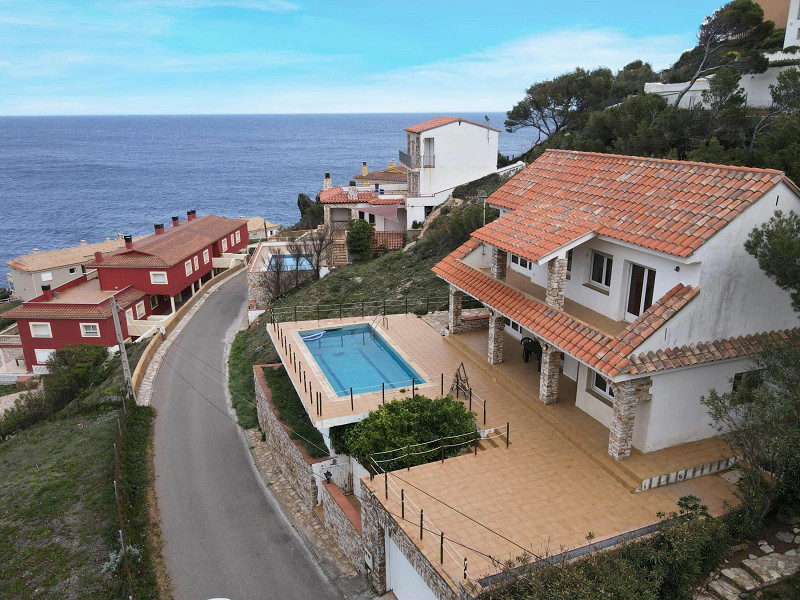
[[402, 578]]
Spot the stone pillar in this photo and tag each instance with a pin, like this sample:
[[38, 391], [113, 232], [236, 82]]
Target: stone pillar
[[373, 527], [454, 312], [353, 214], [548, 378], [496, 334], [626, 395], [499, 263], [326, 211], [556, 280]]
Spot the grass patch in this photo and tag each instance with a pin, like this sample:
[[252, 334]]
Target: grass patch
[[57, 516], [292, 412], [5, 390], [250, 347], [135, 476]]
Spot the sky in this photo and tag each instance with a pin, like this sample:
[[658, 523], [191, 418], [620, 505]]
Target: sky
[[328, 56]]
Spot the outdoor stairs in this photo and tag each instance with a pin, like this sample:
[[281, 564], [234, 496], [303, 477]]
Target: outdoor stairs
[[339, 253], [613, 467]]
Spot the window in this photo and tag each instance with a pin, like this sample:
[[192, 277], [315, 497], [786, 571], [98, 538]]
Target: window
[[569, 261], [188, 266], [361, 215], [153, 301], [601, 269], [514, 325], [72, 270], [196, 263], [41, 330], [598, 384], [747, 380], [42, 356], [428, 158], [231, 239], [238, 237], [224, 245], [47, 276], [90, 330], [205, 256], [514, 259], [158, 277], [522, 262], [371, 219], [640, 290], [140, 309]]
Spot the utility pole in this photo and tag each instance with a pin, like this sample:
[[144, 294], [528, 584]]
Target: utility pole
[[123, 354]]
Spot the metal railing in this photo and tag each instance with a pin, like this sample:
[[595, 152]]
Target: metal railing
[[365, 308]]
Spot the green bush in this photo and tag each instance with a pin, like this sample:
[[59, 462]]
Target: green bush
[[73, 371], [485, 185], [359, 237], [406, 422], [27, 410], [449, 230]]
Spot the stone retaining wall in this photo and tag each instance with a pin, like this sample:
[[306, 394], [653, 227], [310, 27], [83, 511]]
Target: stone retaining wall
[[343, 522], [472, 323], [293, 460]]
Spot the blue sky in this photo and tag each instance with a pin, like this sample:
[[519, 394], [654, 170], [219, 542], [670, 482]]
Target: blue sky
[[301, 56]]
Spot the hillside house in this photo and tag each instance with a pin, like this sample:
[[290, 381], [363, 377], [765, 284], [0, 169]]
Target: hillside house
[[631, 274], [258, 228]]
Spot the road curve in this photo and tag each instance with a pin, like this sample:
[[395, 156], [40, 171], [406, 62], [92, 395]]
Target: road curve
[[224, 535]]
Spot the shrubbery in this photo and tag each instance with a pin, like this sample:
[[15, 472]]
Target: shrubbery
[[359, 238], [449, 230]]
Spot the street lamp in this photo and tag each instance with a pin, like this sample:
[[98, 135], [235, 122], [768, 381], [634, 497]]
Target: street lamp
[[482, 197]]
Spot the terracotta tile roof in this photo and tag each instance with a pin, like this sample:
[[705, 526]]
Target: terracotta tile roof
[[605, 353], [52, 259], [664, 205], [258, 224], [705, 352], [175, 244], [338, 195], [441, 121], [60, 310], [396, 174]]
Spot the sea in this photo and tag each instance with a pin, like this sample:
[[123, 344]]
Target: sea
[[66, 179]]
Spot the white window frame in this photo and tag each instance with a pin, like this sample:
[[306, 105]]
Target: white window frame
[[605, 393], [140, 310], [49, 351], [196, 261], [86, 334], [238, 236], [153, 274], [187, 266], [607, 271], [47, 276], [153, 301], [224, 244], [129, 314], [642, 300], [46, 324], [205, 256]]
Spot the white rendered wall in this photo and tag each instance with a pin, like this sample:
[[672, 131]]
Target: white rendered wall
[[792, 37], [463, 153], [401, 577], [587, 401]]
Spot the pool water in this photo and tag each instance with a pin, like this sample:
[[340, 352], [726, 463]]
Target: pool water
[[289, 263], [358, 357]]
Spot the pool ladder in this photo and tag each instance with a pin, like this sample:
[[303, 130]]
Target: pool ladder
[[383, 318]]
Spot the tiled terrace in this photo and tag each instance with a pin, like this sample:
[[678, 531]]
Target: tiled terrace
[[548, 490]]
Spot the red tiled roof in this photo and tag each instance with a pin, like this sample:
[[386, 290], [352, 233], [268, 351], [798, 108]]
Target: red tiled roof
[[605, 353], [441, 121], [55, 310], [664, 205], [339, 196], [706, 352], [174, 245], [391, 175]]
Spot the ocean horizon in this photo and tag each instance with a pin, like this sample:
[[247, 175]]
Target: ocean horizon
[[64, 179]]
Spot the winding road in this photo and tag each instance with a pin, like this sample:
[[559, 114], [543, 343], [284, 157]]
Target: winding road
[[224, 534]]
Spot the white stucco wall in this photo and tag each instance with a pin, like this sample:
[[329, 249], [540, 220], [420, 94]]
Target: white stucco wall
[[588, 403], [792, 37]]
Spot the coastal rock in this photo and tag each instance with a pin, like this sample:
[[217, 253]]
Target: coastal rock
[[771, 568], [785, 537], [723, 589], [741, 579]]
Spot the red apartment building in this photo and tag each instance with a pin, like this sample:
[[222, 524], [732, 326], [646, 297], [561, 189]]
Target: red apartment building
[[154, 275]]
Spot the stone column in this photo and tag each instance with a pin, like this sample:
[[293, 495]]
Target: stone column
[[499, 263], [548, 378], [372, 534], [454, 312], [556, 280], [626, 395], [326, 211], [496, 333], [353, 214]]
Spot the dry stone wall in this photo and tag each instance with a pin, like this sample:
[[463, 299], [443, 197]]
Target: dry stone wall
[[343, 522]]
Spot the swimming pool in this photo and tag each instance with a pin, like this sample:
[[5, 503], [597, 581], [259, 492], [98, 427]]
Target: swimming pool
[[286, 262], [357, 356]]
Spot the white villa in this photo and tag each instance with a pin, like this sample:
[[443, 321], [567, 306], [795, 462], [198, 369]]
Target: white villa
[[784, 13], [441, 154], [632, 275]]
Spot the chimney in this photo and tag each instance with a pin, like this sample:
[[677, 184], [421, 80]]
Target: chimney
[[47, 292], [175, 221], [83, 242], [191, 215], [119, 236], [36, 251], [98, 257], [128, 242], [364, 169], [159, 228], [352, 193], [326, 183]]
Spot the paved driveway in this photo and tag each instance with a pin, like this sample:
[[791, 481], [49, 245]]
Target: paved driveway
[[224, 535]]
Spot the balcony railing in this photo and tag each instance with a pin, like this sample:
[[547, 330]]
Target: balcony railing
[[409, 161]]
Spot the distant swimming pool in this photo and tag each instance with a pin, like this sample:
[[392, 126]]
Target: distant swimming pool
[[288, 263], [358, 357]]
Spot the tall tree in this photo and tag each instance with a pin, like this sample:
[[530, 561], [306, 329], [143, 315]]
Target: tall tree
[[785, 101], [776, 247], [319, 242]]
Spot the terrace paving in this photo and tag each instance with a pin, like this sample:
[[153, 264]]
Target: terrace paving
[[551, 487]]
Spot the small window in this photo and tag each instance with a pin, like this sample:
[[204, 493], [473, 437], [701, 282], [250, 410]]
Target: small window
[[231, 239], [205, 256], [238, 237], [42, 356], [600, 385], [47, 276], [569, 261], [158, 277], [72, 270], [188, 266], [361, 215], [140, 309], [523, 262], [153, 301], [90, 330], [601, 269], [224, 245], [371, 219], [196, 263], [514, 259], [750, 379], [41, 330]]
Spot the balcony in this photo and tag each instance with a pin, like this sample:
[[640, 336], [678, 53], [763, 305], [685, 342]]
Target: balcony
[[412, 162], [526, 287]]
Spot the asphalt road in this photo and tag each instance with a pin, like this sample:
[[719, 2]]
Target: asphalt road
[[224, 534]]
